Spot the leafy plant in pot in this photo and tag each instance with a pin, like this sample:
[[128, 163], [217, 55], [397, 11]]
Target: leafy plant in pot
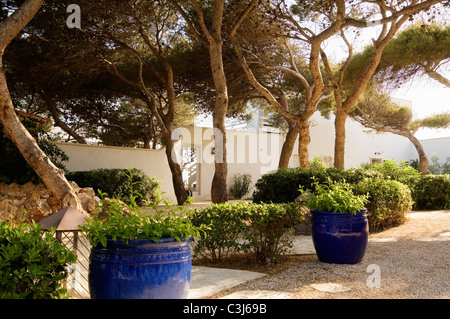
[[139, 254], [339, 224]]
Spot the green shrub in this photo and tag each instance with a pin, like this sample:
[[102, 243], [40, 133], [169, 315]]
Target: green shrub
[[388, 202], [282, 186], [240, 186], [225, 228], [119, 183], [268, 234], [32, 263], [432, 192], [285, 185], [129, 222], [334, 197], [401, 172], [262, 229]]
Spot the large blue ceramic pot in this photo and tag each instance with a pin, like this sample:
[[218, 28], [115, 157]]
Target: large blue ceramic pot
[[140, 269], [339, 238]]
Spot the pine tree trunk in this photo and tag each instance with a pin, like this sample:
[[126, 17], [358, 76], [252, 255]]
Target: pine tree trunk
[[288, 145], [303, 145], [219, 182], [177, 173], [423, 159], [339, 142], [52, 177]]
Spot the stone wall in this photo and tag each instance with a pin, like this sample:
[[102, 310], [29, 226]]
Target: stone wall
[[37, 201]]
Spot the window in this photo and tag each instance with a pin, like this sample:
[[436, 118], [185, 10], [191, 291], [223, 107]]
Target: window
[[190, 167]]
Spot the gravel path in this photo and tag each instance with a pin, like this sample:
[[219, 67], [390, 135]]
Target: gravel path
[[412, 260]]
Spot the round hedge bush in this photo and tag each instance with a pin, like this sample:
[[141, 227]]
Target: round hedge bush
[[389, 201]]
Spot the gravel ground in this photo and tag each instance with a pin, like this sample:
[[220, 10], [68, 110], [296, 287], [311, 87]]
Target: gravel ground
[[413, 261]]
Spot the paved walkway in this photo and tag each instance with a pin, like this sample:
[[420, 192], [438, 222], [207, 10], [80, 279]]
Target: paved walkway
[[421, 228], [207, 281]]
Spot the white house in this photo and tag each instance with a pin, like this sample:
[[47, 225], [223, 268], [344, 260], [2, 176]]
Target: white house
[[250, 152]]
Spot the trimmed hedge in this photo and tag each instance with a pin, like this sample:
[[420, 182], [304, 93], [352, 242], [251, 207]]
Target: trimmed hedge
[[392, 188], [262, 229], [389, 201], [119, 183], [282, 186], [432, 192]]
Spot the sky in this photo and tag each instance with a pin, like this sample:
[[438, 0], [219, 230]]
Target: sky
[[428, 97]]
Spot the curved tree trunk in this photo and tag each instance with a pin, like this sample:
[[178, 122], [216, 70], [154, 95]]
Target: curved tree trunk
[[219, 183], [288, 145], [175, 169], [52, 177], [423, 159]]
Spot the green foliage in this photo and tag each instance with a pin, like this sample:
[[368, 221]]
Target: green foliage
[[262, 229], [240, 186], [282, 185], [225, 226], [432, 192], [317, 163], [401, 172], [388, 202], [13, 167], [116, 183], [334, 197], [441, 120], [128, 222], [33, 264], [435, 167], [285, 185], [268, 234], [404, 56]]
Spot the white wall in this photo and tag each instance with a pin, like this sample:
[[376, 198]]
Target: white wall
[[438, 146], [361, 144], [247, 152], [153, 162]]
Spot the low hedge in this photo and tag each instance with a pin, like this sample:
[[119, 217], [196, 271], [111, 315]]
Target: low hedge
[[432, 192], [388, 203], [263, 229], [33, 264], [119, 183], [392, 188], [282, 185]]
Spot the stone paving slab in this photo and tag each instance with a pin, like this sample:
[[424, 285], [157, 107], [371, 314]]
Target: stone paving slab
[[259, 294], [206, 281]]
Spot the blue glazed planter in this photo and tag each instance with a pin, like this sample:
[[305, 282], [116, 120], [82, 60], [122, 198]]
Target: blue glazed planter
[[140, 269], [339, 238]]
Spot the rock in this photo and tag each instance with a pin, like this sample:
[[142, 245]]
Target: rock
[[54, 203], [3, 187], [330, 287], [38, 209], [39, 202], [15, 190], [88, 199], [33, 196]]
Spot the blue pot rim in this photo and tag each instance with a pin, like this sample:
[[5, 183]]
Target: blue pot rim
[[145, 242], [322, 212]]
